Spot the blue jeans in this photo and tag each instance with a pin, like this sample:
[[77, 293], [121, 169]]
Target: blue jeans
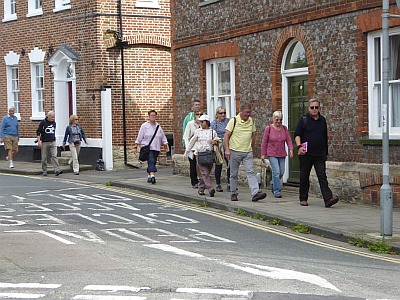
[[234, 163], [278, 168], [151, 163]]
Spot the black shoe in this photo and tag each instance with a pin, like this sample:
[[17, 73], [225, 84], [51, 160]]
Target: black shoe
[[258, 196], [331, 202], [278, 196], [59, 172], [153, 180], [234, 197], [76, 173], [201, 193], [212, 193]]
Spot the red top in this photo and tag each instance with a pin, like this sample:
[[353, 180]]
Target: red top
[[273, 142]]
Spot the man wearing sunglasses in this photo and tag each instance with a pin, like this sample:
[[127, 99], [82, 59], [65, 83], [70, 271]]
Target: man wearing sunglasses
[[311, 136]]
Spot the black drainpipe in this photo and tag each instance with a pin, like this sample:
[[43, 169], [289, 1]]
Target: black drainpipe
[[121, 45]]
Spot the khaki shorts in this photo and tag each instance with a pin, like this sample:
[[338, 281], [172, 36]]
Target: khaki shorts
[[11, 143]]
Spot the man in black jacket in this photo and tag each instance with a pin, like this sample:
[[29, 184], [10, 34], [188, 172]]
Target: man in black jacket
[[46, 136], [311, 136]]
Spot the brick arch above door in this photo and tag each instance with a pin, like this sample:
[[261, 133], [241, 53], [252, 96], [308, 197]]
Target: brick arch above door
[[287, 35]]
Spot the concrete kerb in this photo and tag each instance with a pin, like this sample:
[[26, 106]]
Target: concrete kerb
[[213, 203]]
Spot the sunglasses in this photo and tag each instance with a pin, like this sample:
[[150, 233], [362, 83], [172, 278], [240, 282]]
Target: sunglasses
[[314, 107], [199, 114], [280, 120], [76, 119], [222, 113]]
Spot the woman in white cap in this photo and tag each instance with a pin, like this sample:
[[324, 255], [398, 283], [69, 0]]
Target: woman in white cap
[[202, 141]]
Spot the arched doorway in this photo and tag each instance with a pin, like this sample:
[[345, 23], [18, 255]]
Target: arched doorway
[[63, 67], [295, 97]]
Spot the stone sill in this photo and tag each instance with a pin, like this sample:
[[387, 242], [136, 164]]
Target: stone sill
[[207, 2]]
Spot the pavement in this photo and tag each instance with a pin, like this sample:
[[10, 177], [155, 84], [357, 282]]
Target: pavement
[[343, 221]]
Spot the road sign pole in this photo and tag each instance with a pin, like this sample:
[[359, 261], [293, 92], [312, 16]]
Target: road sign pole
[[386, 201]]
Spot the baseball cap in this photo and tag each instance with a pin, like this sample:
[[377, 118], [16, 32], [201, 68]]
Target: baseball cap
[[204, 118]]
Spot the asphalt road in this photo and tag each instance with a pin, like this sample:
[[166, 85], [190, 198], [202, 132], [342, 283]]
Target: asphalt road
[[63, 238]]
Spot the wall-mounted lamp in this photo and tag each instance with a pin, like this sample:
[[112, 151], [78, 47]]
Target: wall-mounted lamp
[[49, 52], [23, 52]]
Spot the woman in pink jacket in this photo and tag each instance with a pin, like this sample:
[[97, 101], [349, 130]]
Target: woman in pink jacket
[[273, 143]]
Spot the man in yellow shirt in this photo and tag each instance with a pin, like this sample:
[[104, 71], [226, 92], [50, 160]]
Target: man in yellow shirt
[[239, 142]]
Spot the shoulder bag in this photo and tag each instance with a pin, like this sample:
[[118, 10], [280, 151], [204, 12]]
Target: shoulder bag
[[206, 157], [145, 150]]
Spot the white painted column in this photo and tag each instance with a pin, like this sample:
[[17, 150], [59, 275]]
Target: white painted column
[[106, 120]]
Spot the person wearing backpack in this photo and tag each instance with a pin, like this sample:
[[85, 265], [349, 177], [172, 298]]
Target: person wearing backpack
[[239, 141], [276, 136], [311, 136]]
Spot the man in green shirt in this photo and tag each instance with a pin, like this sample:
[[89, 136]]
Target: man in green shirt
[[189, 117], [239, 142]]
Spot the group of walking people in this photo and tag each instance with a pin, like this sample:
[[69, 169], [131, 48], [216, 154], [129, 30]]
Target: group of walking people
[[236, 136], [46, 139]]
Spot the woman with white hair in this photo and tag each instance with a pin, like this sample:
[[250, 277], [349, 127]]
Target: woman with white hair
[[273, 143]]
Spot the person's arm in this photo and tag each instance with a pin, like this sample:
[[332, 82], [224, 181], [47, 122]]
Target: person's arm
[[83, 135], [2, 131], [39, 134], [227, 136], [264, 143], [66, 134]]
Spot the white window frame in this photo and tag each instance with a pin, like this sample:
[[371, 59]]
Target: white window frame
[[61, 5], [12, 62], [147, 4], [36, 57], [213, 99], [9, 15], [374, 106], [34, 8]]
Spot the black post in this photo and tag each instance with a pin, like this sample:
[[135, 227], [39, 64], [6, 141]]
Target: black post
[[121, 45]]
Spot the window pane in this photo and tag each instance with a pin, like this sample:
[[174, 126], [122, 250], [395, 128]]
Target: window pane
[[377, 98], [377, 71], [296, 57], [394, 54], [224, 78], [395, 96], [212, 79]]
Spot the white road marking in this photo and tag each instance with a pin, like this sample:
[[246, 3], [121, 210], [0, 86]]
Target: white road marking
[[168, 248], [248, 294], [271, 272], [53, 236], [20, 296], [29, 285], [101, 297], [277, 273], [115, 288]]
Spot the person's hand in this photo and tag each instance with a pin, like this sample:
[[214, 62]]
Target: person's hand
[[301, 151], [1, 141], [228, 154], [39, 143], [87, 143], [262, 158], [291, 153], [135, 149]]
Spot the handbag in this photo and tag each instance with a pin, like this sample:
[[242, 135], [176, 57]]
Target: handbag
[[145, 150], [206, 157]]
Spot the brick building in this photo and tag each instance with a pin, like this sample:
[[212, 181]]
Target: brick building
[[64, 55], [277, 55]]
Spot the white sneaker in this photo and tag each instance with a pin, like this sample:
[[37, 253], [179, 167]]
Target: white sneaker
[[11, 165], [6, 157]]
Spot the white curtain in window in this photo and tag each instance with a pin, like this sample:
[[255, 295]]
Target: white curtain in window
[[394, 74]]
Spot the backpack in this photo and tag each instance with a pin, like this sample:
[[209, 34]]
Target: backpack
[[100, 165]]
